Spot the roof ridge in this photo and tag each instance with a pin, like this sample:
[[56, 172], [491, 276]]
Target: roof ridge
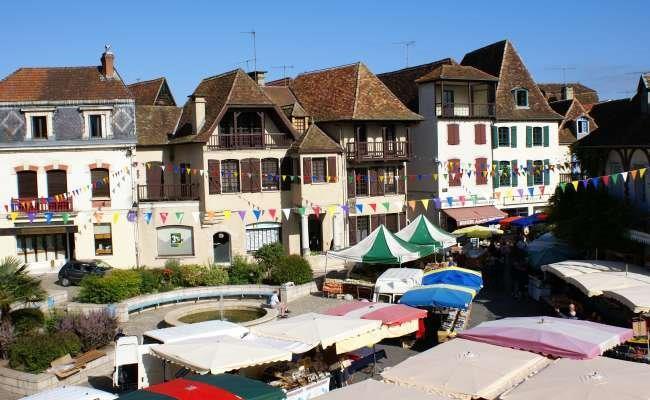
[[221, 75], [162, 78], [441, 62], [315, 71]]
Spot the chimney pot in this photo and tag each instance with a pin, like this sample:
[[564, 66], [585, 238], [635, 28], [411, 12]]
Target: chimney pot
[[108, 62], [199, 113], [567, 93]]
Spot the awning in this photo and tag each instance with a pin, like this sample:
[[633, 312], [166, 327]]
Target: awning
[[530, 220], [397, 319], [454, 276], [375, 390], [439, 295], [635, 298], [638, 236], [398, 280], [198, 331], [465, 216], [421, 231]]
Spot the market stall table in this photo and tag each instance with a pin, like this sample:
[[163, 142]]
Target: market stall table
[[394, 282]]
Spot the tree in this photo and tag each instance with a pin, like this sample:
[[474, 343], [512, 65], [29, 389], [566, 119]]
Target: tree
[[16, 286], [590, 219]]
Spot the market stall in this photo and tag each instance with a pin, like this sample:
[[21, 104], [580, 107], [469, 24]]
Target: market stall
[[199, 330], [454, 276], [557, 337], [463, 369], [394, 282], [375, 390], [597, 379], [212, 387], [72, 393], [595, 283], [397, 320], [571, 268], [422, 232], [530, 220], [477, 231], [635, 298], [439, 295]]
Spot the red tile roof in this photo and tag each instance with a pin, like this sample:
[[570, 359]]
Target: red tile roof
[[314, 140], [152, 92], [571, 110], [456, 72], [553, 92], [61, 84]]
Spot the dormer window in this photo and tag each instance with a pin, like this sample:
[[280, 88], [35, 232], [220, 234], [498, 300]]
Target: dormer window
[[38, 123], [97, 122], [95, 125], [582, 127], [39, 127], [521, 97]]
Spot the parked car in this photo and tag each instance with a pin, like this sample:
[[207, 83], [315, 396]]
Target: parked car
[[74, 271]]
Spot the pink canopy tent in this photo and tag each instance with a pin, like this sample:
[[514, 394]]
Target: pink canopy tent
[[557, 337], [397, 319]]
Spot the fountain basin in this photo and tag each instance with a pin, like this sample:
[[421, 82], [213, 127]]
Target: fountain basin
[[245, 313]]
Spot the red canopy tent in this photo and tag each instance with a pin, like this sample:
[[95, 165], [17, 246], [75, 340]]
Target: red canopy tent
[[397, 319]]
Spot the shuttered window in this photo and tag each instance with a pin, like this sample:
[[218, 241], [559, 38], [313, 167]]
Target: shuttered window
[[331, 169], [230, 176], [481, 169], [270, 174], [214, 177], [479, 134], [306, 170], [250, 175], [57, 182], [155, 182], [454, 172], [27, 184], [101, 183]]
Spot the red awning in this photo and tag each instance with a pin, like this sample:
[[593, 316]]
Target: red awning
[[388, 314], [466, 216], [184, 389]]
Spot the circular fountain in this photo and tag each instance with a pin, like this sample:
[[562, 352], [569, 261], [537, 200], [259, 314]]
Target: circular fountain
[[245, 313]]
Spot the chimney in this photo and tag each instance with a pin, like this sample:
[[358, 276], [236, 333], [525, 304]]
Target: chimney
[[258, 77], [567, 93], [108, 60], [198, 106]]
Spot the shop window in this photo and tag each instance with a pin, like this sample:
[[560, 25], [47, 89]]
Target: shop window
[[175, 240], [103, 240]]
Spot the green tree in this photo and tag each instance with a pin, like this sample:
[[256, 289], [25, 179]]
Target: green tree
[[590, 219], [16, 286], [269, 256]]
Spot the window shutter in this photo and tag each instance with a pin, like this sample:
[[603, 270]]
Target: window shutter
[[401, 184], [479, 134], [57, 182], [331, 169], [352, 190], [480, 167], [352, 230], [514, 174], [546, 136], [529, 136], [402, 220], [531, 172], [454, 172], [155, 181], [214, 177], [244, 171], [495, 177], [453, 135], [373, 181], [256, 184], [374, 222], [286, 170], [495, 137], [306, 170], [513, 136], [27, 184], [547, 177], [381, 173]]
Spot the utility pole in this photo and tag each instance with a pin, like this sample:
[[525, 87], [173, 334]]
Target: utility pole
[[253, 35], [284, 70], [407, 44]]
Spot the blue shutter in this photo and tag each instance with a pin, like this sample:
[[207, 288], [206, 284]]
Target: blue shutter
[[529, 136], [513, 136], [547, 177], [514, 182], [546, 136], [530, 173], [495, 137]]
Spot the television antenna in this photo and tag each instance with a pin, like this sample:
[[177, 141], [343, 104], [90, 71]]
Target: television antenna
[[284, 70], [407, 45], [253, 36], [564, 69]]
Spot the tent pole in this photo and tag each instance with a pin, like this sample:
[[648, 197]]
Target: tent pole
[[374, 360]]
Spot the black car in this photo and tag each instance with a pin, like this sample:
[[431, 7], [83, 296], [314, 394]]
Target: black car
[[74, 271]]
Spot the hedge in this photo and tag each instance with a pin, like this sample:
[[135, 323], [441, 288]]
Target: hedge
[[34, 353]]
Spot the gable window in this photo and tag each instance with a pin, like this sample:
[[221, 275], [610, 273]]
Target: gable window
[[538, 137], [97, 122], [100, 182], [504, 136], [39, 127], [504, 173], [270, 174], [582, 126], [319, 169], [230, 176], [103, 240], [27, 184], [521, 97]]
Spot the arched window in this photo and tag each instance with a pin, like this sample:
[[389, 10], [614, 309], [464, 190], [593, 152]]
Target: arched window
[[221, 248]]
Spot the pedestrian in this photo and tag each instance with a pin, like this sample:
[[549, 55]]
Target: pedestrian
[[276, 304]]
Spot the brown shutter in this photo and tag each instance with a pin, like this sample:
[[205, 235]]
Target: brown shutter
[[306, 170], [374, 222], [352, 230], [479, 134], [214, 177], [244, 171], [401, 184], [381, 181], [453, 136], [256, 183], [286, 170], [27, 184], [57, 182], [402, 220], [372, 181], [331, 169], [352, 189], [154, 187]]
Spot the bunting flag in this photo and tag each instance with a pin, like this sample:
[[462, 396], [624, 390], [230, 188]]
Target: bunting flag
[[331, 210], [497, 195], [116, 217], [595, 181], [541, 189], [302, 210], [575, 185], [462, 200], [584, 182], [373, 206], [642, 172], [450, 201], [386, 205], [242, 214], [286, 212], [147, 217], [226, 214], [346, 209], [163, 216], [531, 191], [30, 216], [624, 176], [521, 192], [196, 215], [614, 178], [13, 216], [272, 212], [437, 203], [425, 203], [132, 216], [633, 173], [359, 207], [605, 179], [316, 210], [179, 216], [257, 214], [474, 199], [48, 217]]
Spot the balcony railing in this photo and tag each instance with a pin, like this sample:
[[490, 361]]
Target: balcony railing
[[369, 151], [248, 139], [465, 110], [181, 192], [40, 204]]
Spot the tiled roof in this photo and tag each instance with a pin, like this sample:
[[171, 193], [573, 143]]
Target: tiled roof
[[349, 92], [152, 92], [646, 79], [283, 97], [553, 92], [501, 60], [233, 88], [456, 72], [61, 84], [280, 82], [154, 124], [571, 110], [402, 82], [621, 123], [314, 140]]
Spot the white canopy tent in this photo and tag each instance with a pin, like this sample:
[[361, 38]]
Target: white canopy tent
[[596, 379], [375, 390], [199, 330], [635, 298], [594, 284], [463, 369], [398, 280], [571, 268]]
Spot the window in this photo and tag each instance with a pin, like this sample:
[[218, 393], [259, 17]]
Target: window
[[103, 240], [31, 248], [503, 170], [521, 97], [95, 127], [270, 174], [504, 136], [389, 133], [27, 184], [39, 127], [390, 184], [57, 182], [454, 172], [299, 123], [481, 168], [363, 227], [361, 177], [538, 137], [583, 127], [538, 172], [257, 235], [319, 169], [175, 241], [101, 183], [230, 176], [392, 223]]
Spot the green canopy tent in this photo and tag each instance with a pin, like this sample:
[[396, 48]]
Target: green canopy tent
[[383, 247], [422, 232]]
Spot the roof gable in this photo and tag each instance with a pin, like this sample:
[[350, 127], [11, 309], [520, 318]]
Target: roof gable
[[621, 123], [314, 140], [456, 72], [152, 92], [571, 110]]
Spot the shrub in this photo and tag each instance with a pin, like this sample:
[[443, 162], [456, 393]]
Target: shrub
[[94, 329], [27, 320], [191, 275], [173, 263], [151, 280], [34, 353], [242, 272], [7, 337], [292, 268], [111, 288], [215, 276], [269, 256]]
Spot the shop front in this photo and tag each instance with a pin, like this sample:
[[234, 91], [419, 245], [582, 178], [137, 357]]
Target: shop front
[[44, 248]]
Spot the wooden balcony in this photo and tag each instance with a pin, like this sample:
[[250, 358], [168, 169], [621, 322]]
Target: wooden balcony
[[378, 151], [40, 205], [242, 138], [181, 192], [465, 110]]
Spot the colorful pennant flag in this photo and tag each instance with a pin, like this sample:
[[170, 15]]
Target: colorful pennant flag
[[163, 216], [272, 212], [179, 216], [286, 212], [242, 214], [359, 207], [257, 214]]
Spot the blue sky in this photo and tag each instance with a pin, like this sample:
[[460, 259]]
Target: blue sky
[[605, 43]]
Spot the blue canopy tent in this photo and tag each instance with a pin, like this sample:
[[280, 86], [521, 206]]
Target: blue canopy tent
[[547, 249], [439, 295], [454, 276]]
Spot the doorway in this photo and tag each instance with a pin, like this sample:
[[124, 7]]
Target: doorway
[[315, 232], [221, 248]]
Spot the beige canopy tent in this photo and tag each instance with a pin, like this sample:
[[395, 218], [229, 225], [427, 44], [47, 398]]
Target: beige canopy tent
[[374, 390], [219, 355], [596, 379], [594, 284], [313, 329], [464, 369], [635, 298], [572, 268]]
